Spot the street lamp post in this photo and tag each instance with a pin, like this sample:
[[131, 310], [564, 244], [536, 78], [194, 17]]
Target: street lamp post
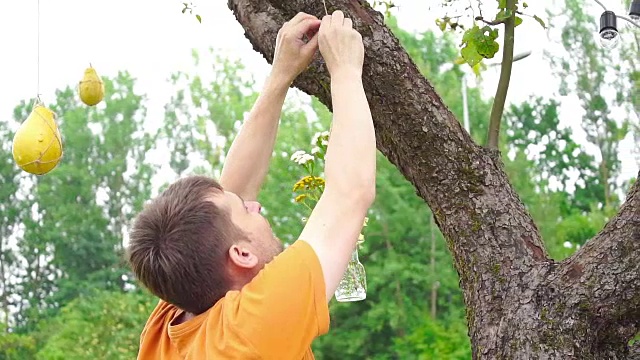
[[465, 102]]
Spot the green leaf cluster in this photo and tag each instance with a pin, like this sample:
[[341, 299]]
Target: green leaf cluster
[[479, 43]]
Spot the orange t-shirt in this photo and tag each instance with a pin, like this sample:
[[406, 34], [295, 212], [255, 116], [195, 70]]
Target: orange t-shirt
[[275, 316]]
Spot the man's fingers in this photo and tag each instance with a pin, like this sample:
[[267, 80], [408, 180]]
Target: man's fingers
[[337, 18], [306, 27], [326, 22], [300, 17], [312, 32], [348, 23], [296, 20], [312, 45]]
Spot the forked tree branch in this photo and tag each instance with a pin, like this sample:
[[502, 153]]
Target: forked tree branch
[[605, 274]]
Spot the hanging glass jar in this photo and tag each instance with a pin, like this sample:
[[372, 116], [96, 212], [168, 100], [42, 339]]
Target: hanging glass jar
[[353, 286]]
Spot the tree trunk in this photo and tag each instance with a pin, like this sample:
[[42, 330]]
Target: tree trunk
[[520, 303]]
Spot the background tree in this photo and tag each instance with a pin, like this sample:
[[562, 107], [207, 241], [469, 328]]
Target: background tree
[[99, 325], [628, 92], [601, 87]]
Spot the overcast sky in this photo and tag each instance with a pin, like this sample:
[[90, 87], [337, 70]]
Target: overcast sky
[[152, 39]]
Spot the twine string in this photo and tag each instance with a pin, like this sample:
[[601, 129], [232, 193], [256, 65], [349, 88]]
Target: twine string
[[37, 102], [38, 54]]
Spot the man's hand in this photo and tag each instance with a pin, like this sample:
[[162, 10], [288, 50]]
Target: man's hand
[[248, 159], [293, 54], [341, 45]]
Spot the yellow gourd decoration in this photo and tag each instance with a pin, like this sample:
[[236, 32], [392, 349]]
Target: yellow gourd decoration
[[37, 145], [91, 87]]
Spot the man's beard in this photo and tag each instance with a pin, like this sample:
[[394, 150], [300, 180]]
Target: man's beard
[[277, 248], [280, 244], [274, 249]]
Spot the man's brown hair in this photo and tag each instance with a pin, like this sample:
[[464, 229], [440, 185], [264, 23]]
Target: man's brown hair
[[178, 245]]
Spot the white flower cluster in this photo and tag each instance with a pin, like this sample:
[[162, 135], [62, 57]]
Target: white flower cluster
[[324, 135], [301, 157]]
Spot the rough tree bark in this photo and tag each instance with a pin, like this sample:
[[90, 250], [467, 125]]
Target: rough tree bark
[[520, 303]]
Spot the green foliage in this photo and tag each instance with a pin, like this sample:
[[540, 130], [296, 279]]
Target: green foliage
[[479, 43], [100, 325], [435, 340], [13, 208], [602, 89], [564, 207], [205, 111], [534, 128], [569, 192], [16, 346]]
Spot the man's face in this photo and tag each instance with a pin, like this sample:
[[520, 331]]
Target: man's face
[[246, 216]]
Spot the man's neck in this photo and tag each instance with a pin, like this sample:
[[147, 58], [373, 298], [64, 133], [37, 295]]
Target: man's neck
[[182, 318]]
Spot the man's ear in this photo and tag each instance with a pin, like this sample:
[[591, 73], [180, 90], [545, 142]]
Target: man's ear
[[242, 256]]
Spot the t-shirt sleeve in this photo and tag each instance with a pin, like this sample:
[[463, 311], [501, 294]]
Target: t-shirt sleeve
[[284, 308]]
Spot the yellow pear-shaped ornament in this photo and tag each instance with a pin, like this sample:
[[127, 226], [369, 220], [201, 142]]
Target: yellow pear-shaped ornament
[[91, 87], [37, 145]]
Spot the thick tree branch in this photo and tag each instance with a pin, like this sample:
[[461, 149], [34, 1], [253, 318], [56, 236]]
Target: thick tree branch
[[604, 275], [505, 78]]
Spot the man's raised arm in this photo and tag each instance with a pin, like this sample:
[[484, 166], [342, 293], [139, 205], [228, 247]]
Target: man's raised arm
[[248, 158], [350, 171]]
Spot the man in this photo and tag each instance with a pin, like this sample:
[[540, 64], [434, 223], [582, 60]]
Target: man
[[227, 288]]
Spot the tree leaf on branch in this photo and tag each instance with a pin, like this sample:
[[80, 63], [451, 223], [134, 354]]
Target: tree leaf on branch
[[540, 21], [518, 21], [502, 15], [470, 54], [442, 23], [479, 43]]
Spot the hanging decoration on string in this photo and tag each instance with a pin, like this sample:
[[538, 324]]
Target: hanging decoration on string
[[37, 144], [91, 87]]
